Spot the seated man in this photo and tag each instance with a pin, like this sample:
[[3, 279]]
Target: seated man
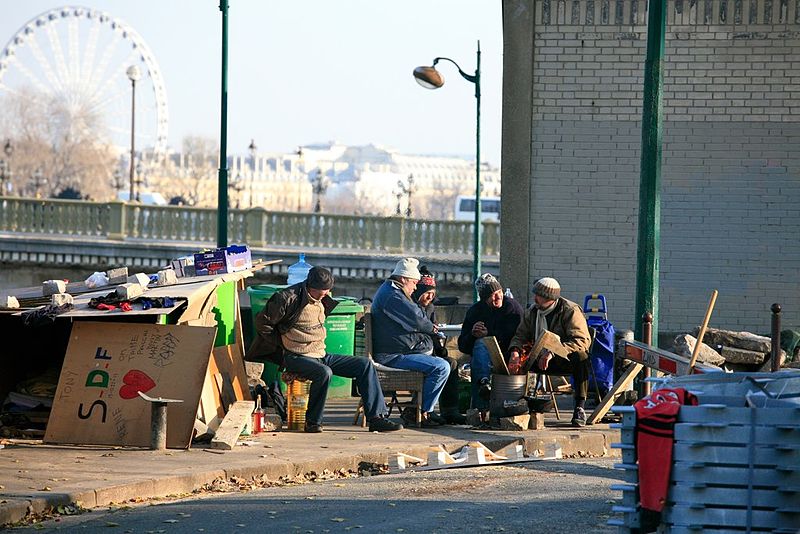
[[293, 323], [563, 317], [493, 315], [401, 336]]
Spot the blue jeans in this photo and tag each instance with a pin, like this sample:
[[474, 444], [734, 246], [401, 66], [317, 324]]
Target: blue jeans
[[320, 370], [480, 368], [436, 371]]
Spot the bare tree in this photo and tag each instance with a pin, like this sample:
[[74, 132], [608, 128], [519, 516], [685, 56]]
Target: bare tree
[[56, 146]]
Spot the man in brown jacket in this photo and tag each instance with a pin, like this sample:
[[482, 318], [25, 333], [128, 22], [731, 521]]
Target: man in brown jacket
[[563, 317]]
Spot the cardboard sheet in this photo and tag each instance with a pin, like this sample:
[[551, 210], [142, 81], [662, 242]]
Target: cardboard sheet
[[105, 367]]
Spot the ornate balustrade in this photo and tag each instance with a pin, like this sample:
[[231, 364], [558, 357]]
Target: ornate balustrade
[[256, 227]]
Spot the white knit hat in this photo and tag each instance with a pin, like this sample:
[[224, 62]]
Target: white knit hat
[[407, 268], [548, 288]]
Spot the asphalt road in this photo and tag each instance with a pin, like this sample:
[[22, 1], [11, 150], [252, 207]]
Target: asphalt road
[[549, 496]]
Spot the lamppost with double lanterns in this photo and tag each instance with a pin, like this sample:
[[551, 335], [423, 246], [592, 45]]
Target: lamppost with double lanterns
[[134, 75], [5, 168], [430, 78], [253, 150], [406, 189], [320, 187]]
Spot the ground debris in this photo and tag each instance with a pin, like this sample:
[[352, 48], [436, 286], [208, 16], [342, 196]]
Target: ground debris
[[222, 485]]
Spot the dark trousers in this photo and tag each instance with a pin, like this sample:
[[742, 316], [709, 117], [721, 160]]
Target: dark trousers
[[319, 372], [577, 366], [448, 402]]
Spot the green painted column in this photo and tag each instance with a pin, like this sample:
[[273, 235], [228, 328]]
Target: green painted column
[[222, 177], [477, 246], [649, 239]]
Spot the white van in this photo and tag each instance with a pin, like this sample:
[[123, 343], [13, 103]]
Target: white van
[[465, 208], [145, 197]]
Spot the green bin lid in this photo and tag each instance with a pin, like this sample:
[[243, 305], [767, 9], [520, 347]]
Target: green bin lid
[[347, 305]]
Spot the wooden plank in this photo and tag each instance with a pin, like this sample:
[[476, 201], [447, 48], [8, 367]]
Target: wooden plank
[[228, 432], [495, 355], [621, 384]]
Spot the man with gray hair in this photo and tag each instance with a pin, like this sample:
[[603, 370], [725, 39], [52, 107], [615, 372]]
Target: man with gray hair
[[402, 336], [552, 312]]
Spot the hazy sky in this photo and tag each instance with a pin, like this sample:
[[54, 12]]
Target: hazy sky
[[306, 71]]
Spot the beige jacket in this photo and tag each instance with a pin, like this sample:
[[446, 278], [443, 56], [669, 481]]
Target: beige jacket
[[566, 320]]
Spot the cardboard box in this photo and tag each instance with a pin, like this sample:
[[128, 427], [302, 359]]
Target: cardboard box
[[223, 260]]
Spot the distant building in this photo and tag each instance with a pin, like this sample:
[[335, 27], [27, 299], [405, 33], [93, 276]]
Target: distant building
[[360, 180]]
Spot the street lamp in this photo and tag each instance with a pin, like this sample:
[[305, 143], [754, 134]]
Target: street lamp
[[320, 186], [139, 181], [253, 149], [430, 78], [5, 168], [237, 185], [38, 181], [134, 75], [403, 189]]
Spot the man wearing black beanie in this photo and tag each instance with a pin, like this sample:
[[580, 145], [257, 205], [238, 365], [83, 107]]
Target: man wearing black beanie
[[292, 325]]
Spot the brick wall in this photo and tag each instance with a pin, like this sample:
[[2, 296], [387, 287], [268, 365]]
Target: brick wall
[[730, 195]]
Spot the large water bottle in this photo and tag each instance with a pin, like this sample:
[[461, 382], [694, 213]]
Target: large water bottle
[[299, 271]]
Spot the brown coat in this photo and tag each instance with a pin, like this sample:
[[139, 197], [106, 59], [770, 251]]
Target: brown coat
[[566, 320]]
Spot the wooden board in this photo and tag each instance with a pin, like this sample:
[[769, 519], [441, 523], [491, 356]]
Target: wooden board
[[499, 366], [622, 383], [105, 366], [230, 429]]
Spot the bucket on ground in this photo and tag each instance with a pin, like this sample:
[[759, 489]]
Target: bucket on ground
[[507, 388]]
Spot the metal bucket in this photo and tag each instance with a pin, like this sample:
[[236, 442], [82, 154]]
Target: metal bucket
[[297, 403], [507, 388]]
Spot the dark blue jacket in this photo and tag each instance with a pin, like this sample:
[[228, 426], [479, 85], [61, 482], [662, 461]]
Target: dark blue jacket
[[398, 325], [501, 323]]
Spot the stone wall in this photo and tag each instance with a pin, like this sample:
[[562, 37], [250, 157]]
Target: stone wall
[[730, 195]]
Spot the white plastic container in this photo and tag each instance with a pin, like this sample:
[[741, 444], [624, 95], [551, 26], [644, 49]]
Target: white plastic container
[[299, 271]]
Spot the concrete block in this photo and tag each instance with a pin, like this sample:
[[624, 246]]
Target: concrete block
[[117, 276], [51, 287], [272, 423], [129, 291], [167, 277], [734, 355], [139, 278], [536, 421], [9, 302], [59, 299], [519, 422]]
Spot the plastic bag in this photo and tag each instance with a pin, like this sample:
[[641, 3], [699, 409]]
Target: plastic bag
[[97, 280]]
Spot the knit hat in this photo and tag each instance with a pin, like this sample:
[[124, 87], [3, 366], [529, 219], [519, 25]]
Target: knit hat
[[319, 278], [407, 268], [548, 288], [487, 285], [425, 284]]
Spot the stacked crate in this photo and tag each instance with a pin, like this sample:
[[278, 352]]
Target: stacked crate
[[734, 468]]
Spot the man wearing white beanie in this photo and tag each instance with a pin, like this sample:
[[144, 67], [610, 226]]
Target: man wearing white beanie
[[565, 318], [401, 336]]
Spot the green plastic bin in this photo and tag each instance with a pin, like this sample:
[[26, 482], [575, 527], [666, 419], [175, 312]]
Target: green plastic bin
[[340, 325]]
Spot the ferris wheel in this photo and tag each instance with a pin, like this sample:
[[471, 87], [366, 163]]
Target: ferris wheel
[[84, 61]]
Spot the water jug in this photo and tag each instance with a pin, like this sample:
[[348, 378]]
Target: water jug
[[299, 271], [297, 393], [508, 293]]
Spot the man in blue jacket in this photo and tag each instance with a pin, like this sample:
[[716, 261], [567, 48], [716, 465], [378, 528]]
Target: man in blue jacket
[[402, 336]]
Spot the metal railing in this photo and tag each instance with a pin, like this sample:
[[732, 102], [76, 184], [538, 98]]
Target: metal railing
[[256, 227]]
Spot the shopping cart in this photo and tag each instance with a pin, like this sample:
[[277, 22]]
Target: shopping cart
[[602, 352]]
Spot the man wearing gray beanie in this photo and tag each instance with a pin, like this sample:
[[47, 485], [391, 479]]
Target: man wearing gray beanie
[[291, 333], [552, 312]]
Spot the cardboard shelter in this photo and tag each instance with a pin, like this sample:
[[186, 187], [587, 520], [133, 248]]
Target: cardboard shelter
[[191, 351]]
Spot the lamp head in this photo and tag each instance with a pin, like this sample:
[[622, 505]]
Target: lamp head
[[428, 77], [133, 73], [8, 149]]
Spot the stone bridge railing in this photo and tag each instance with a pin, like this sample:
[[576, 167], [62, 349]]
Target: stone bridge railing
[[118, 221]]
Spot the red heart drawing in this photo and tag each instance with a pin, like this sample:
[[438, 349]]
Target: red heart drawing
[[135, 381]]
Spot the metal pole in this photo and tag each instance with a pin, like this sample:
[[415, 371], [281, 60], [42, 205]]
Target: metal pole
[[476, 260], [647, 265], [158, 426], [775, 364], [222, 177], [133, 127], [647, 337]]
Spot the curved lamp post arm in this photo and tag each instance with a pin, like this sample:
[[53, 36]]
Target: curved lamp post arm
[[473, 78]]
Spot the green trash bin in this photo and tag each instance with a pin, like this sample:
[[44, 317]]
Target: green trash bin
[[340, 325]]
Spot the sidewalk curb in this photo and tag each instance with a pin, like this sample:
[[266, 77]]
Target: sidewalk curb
[[16, 509]]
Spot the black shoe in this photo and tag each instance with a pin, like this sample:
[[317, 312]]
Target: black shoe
[[427, 422], [455, 418], [381, 424], [436, 418], [579, 417], [485, 391], [311, 428]]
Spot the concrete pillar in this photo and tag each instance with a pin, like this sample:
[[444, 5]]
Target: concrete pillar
[[516, 243]]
